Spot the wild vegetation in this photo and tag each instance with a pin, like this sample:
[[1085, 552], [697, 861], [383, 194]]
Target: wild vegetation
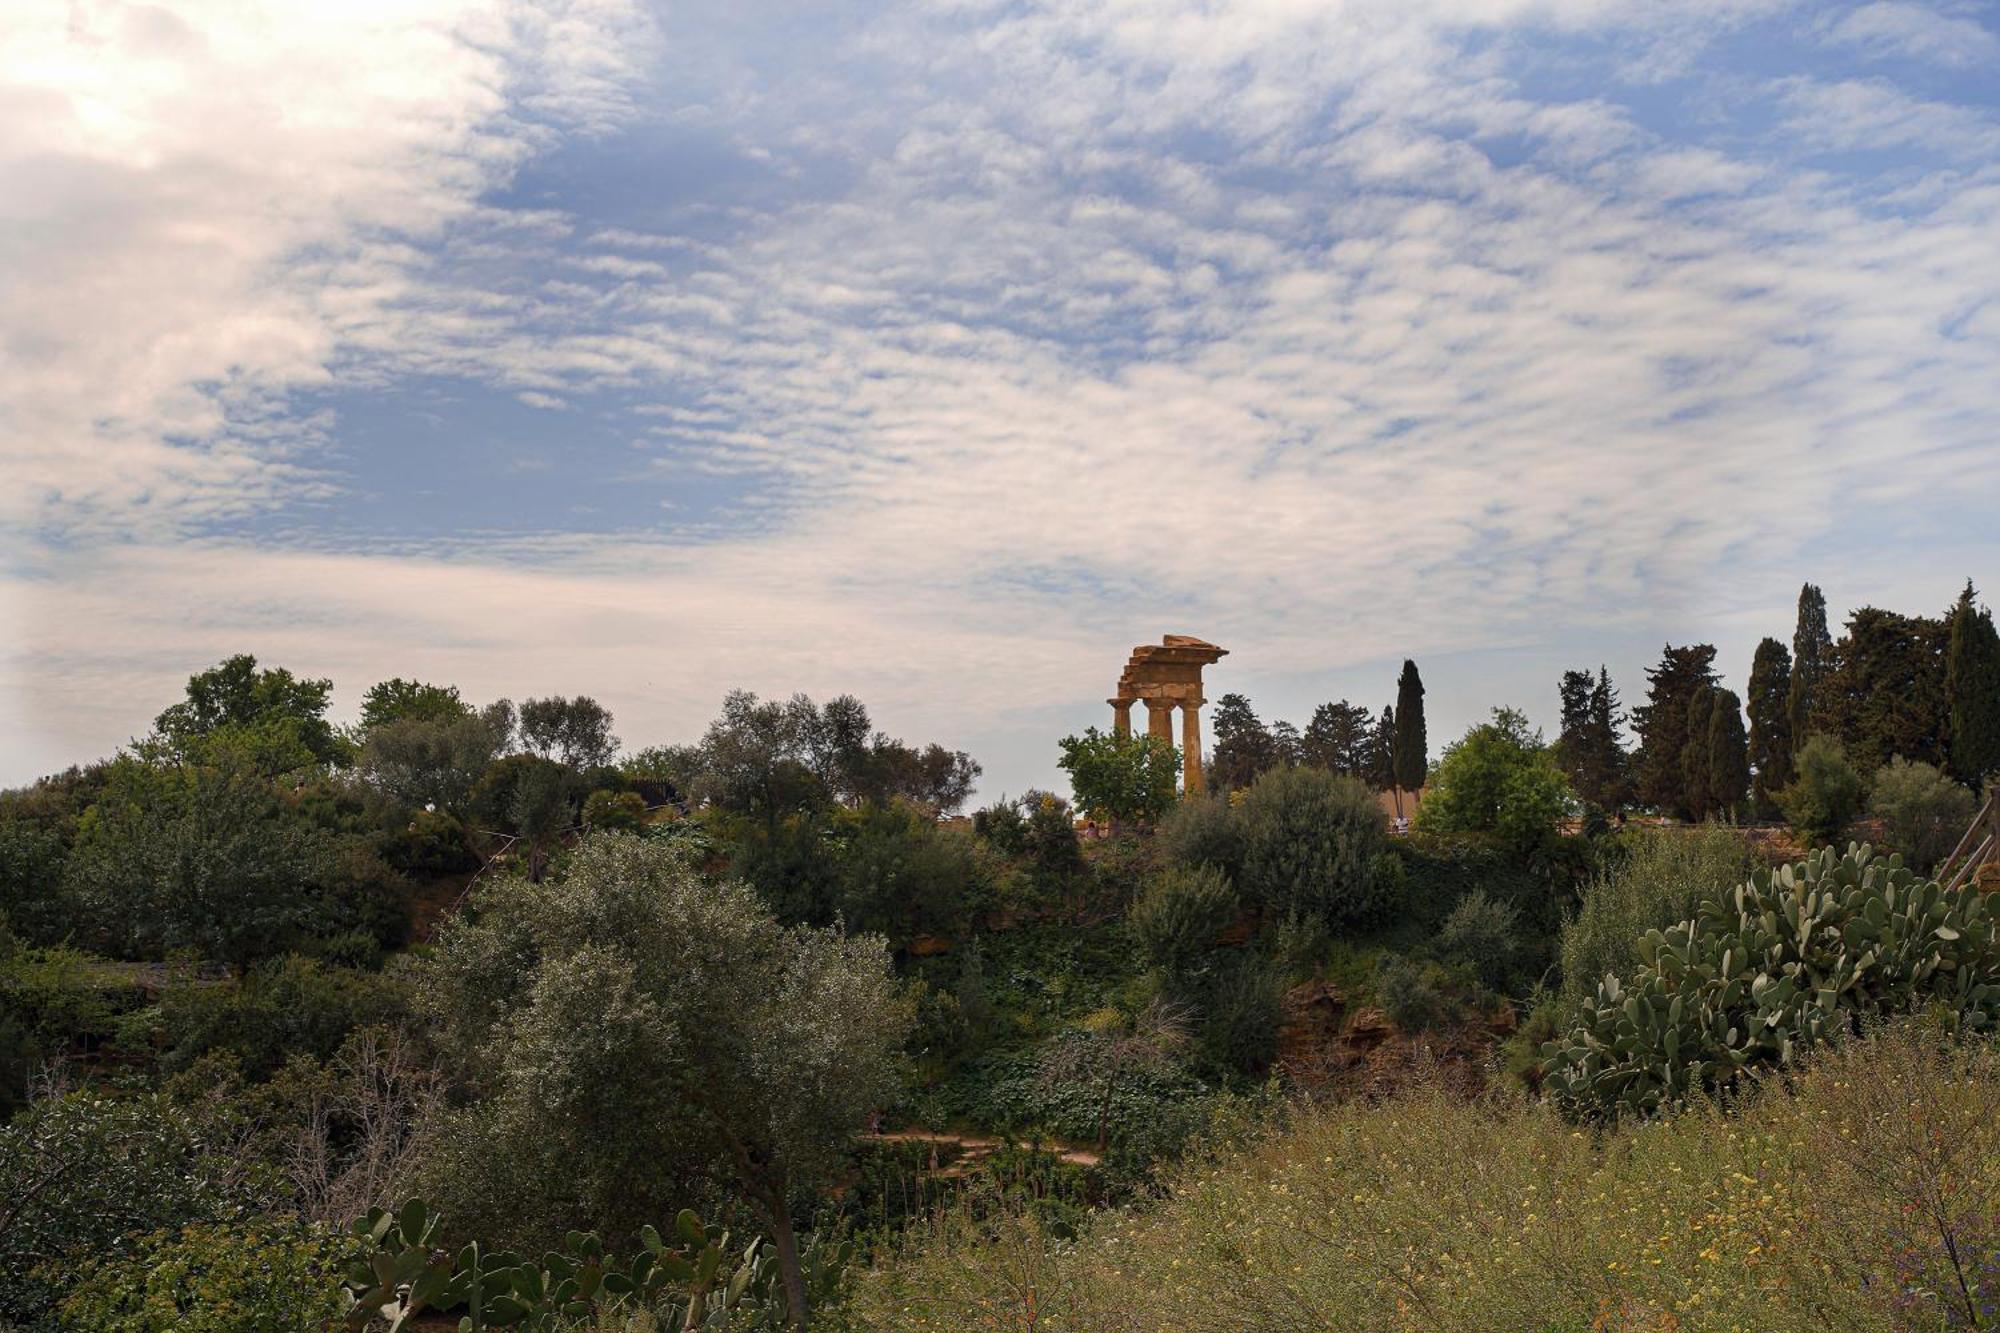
[[474, 1009]]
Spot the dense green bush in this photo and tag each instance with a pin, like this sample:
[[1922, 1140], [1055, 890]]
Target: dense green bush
[[1482, 935], [605, 809], [1658, 877], [1826, 793], [261, 1274], [1178, 917], [1309, 843], [1238, 1005], [1202, 831], [82, 1176], [276, 1010], [902, 875], [1923, 812], [1768, 969], [1414, 994]]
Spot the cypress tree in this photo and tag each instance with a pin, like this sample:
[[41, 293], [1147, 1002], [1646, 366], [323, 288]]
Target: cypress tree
[[1972, 684], [1728, 755], [1412, 761], [1573, 742], [1696, 797], [1812, 653], [1770, 724], [1662, 724]]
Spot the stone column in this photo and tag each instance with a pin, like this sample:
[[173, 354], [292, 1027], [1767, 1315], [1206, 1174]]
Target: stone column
[[1160, 719], [1191, 745], [1121, 716]]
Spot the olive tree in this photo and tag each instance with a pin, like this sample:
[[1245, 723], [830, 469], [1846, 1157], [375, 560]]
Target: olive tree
[[637, 1031]]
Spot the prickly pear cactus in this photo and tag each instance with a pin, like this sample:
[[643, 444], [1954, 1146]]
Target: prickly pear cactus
[[1772, 967]]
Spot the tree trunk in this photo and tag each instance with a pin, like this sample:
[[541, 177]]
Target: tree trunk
[[788, 1259]]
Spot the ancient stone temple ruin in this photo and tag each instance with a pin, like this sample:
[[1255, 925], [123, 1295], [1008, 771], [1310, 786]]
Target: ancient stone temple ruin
[[1166, 676]]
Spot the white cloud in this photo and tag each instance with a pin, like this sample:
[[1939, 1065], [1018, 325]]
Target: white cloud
[[1919, 32], [203, 205]]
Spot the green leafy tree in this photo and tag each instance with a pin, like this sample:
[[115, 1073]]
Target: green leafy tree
[[1412, 756], [757, 1051], [435, 762], [575, 733], [1498, 778], [1309, 843], [1885, 694], [1972, 687], [1923, 812], [1662, 725], [202, 856], [1770, 724], [237, 695], [1123, 779], [901, 875], [1812, 658], [531, 800], [1826, 792], [1728, 755], [215, 1277], [397, 700]]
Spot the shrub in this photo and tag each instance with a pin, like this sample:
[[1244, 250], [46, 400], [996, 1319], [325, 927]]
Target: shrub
[[1661, 878], [1239, 1004], [1309, 841], [1413, 994], [902, 875], [1767, 970], [606, 809], [1177, 919], [1481, 935], [1854, 1197], [281, 1008], [264, 1273], [1825, 793], [1202, 831], [1923, 812], [82, 1175]]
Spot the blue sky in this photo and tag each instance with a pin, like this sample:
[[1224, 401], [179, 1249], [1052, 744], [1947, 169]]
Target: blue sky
[[941, 352]]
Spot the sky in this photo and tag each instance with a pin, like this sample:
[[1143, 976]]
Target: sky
[[941, 352]]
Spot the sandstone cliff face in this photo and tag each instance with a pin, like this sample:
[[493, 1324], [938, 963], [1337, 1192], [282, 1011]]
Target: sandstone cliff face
[[1328, 1047]]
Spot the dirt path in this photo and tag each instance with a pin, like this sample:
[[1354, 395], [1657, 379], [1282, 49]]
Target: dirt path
[[975, 1145]]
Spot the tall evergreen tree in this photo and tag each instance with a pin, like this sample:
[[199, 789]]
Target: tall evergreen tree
[[1337, 739], [1662, 724], [1728, 755], [1770, 724], [1243, 745], [1812, 653], [1697, 798], [1588, 747], [1613, 773], [1884, 695], [1412, 763], [1287, 746], [1972, 684], [1382, 751]]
